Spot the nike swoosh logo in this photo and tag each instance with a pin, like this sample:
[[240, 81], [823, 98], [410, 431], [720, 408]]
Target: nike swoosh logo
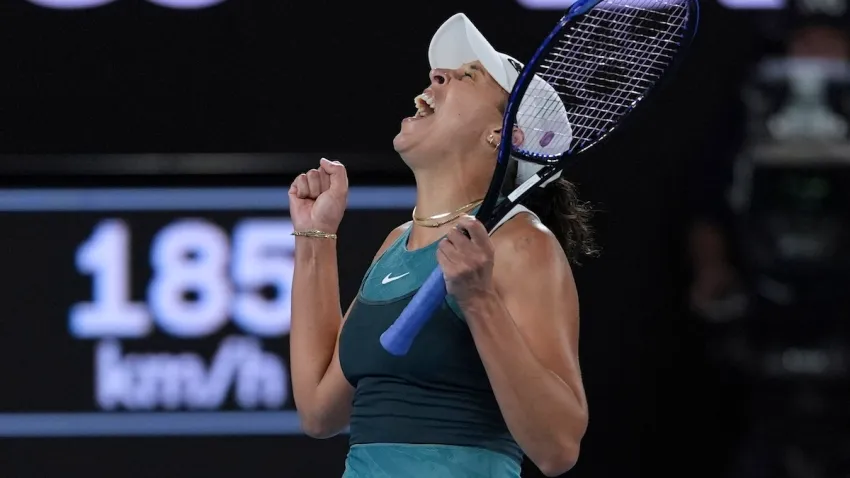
[[388, 278]]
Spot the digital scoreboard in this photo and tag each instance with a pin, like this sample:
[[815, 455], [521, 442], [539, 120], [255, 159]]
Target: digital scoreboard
[[159, 311]]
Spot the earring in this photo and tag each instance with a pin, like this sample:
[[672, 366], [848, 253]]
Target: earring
[[490, 142]]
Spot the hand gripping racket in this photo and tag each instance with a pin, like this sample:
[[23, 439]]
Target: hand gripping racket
[[597, 64]]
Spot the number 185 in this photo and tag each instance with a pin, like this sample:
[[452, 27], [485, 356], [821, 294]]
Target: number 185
[[199, 280]]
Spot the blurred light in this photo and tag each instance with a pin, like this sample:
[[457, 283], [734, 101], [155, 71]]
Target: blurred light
[[753, 4], [70, 4], [82, 4], [157, 424], [732, 4], [546, 4], [194, 199], [186, 4]]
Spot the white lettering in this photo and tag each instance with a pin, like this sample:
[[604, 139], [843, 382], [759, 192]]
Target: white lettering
[[191, 293], [263, 257], [262, 382], [111, 379], [106, 257], [137, 381], [190, 257]]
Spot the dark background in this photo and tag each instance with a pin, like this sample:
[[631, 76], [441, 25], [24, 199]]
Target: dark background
[[130, 94], [318, 76]]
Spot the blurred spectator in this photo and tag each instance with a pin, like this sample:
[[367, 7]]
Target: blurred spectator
[[769, 258], [716, 283]]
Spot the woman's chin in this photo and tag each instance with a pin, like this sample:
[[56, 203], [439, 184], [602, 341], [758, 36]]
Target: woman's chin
[[416, 131], [408, 134], [406, 146], [399, 141]]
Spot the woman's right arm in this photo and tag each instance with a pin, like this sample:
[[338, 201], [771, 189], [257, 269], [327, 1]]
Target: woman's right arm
[[322, 393]]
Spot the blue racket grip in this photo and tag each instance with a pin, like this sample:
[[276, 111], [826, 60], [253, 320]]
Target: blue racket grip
[[398, 338]]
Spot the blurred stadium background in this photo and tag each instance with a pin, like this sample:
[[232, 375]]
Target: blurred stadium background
[[132, 132]]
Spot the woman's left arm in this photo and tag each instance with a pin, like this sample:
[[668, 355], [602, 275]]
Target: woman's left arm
[[523, 315]]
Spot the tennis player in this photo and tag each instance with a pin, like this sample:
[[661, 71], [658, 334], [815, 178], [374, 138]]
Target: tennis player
[[495, 373]]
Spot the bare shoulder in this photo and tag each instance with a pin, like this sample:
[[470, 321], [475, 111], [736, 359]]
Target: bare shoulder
[[395, 233], [524, 240], [399, 230], [525, 248], [391, 238]]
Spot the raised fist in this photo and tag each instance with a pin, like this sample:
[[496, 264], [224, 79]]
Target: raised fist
[[317, 198]]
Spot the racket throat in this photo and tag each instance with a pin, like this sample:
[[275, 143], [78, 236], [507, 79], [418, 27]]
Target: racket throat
[[523, 188]]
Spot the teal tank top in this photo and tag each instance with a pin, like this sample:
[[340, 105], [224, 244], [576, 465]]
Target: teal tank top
[[431, 412]]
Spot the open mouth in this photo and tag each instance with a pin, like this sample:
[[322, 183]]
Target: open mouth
[[425, 105]]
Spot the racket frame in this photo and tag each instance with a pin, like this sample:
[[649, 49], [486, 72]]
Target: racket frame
[[398, 338], [491, 212]]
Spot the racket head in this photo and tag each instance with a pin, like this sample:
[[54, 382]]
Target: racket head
[[602, 59]]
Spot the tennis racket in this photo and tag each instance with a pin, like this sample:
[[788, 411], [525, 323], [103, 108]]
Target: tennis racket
[[597, 64]]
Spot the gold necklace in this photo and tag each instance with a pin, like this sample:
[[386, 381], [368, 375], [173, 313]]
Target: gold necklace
[[438, 220]]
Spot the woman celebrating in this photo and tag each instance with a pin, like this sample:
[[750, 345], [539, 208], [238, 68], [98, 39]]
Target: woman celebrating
[[495, 373]]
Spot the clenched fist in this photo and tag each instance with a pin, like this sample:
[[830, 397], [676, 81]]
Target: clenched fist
[[466, 256], [317, 198]]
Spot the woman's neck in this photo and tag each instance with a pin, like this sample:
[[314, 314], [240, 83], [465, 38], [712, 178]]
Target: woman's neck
[[441, 193], [445, 193]]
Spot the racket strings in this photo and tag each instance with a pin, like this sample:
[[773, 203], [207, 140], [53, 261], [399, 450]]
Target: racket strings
[[622, 46], [619, 96], [604, 65], [634, 50]]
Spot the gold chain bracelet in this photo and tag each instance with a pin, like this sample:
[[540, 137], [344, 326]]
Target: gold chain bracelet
[[315, 233]]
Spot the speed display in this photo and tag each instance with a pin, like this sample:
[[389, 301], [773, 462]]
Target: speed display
[[159, 311]]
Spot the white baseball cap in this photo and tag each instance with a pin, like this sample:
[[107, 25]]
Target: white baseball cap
[[542, 116]]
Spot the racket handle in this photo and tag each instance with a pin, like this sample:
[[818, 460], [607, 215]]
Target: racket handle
[[398, 337]]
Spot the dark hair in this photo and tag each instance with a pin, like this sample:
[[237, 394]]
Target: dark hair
[[560, 209]]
